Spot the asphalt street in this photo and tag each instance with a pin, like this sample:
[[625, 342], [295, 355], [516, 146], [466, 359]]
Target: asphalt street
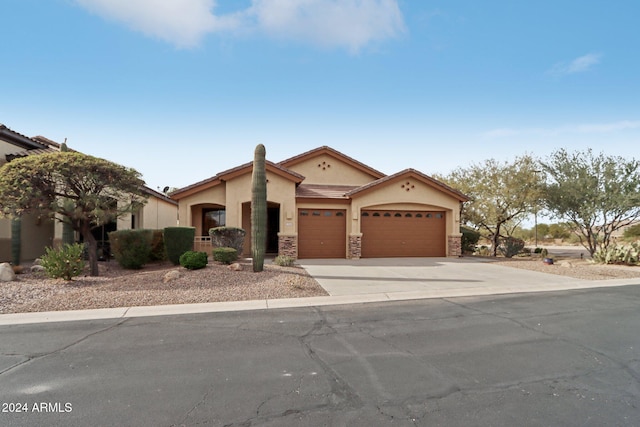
[[569, 358]]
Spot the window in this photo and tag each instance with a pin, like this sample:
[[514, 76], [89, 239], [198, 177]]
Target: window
[[387, 214], [304, 213], [398, 215], [327, 213], [439, 216], [418, 215], [376, 214], [342, 214], [408, 215], [315, 213], [429, 215], [365, 213], [212, 218]]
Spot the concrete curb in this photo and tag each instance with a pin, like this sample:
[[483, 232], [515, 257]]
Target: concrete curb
[[216, 307]]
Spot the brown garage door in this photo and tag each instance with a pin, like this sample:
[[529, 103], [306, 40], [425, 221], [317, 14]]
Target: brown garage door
[[403, 233], [322, 233]]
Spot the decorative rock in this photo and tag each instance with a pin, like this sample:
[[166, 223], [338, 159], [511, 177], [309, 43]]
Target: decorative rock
[[37, 268], [6, 273], [235, 267], [565, 263], [37, 261], [171, 275]]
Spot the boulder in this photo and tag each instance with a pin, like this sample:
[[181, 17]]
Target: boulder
[[235, 267], [37, 261], [170, 276], [37, 268], [6, 273]]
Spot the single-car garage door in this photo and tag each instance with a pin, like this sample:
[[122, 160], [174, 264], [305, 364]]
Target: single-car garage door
[[322, 233], [387, 233]]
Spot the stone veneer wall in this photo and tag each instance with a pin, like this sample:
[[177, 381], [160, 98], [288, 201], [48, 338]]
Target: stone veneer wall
[[355, 246], [455, 245], [288, 245]]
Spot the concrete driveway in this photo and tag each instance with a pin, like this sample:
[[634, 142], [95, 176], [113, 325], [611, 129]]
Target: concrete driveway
[[401, 278]]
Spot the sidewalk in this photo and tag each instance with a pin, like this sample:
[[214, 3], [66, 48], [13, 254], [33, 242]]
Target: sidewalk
[[363, 281]]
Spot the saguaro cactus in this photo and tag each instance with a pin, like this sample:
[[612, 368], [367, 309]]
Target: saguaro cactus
[[16, 240], [259, 209]]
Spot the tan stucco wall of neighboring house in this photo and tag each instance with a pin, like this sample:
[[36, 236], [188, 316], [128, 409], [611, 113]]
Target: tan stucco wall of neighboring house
[[326, 169], [156, 214], [37, 233], [6, 148], [5, 240]]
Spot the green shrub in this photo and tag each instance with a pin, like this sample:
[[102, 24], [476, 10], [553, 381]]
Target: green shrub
[[194, 260], [158, 252], [511, 246], [227, 237], [65, 263], [284, 261], [131, 248], [225, 255], [178, 240], [537, 250], [470, 239], [544, 253], [619, 254]]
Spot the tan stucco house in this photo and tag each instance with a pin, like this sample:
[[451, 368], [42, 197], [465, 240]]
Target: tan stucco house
[[325, 204], [38, 232]]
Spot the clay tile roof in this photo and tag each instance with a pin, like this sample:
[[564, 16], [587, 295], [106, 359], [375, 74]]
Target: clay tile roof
[[19, 139], [317, 191]]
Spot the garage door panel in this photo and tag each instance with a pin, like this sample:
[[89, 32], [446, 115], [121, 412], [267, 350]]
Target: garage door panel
[[403, 233], [322, 233]]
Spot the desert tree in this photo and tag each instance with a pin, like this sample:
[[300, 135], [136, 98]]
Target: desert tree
[[82, 190], [595, 194], [502, 194]]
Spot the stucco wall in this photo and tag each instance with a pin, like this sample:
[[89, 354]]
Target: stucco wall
[[214, 195], [325, 169], [36, 234]]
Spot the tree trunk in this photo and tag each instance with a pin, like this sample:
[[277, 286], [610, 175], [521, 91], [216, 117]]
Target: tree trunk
[[92, 249]]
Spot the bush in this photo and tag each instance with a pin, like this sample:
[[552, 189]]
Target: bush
[[627, 254], [470, 239], [227, 237], [537, 250], [284, 261], [178, 240], [225, 255], [65, 263], [194, 260], [510, 246], [131, 248], [158, 252]]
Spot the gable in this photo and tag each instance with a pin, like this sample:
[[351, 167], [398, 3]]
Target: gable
[[327, 166], [409, 186]]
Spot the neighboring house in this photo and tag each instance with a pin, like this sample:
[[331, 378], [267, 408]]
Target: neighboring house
[[324, 204], [37, 232]]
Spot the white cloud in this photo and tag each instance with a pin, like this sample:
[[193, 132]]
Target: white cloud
[[578, 65], [350, 24], [330, 23]]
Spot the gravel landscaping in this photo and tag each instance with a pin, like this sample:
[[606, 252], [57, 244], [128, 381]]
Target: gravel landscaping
[[126, 288], [116, 287]]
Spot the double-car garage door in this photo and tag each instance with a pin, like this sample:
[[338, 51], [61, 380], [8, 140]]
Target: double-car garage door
[[394, 233], [322, 233]]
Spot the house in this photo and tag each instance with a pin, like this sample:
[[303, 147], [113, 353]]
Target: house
[[325, 204], [38, 232]]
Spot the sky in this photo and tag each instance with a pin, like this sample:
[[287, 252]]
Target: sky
[[183, 89]]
